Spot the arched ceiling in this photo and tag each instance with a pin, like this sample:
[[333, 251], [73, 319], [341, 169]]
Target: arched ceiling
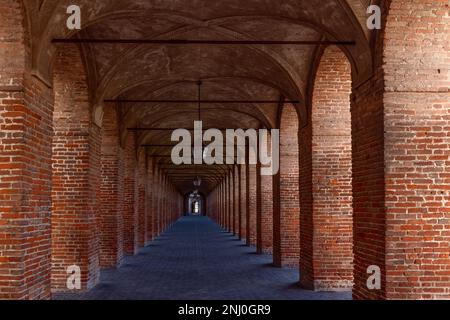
[[228, 72]]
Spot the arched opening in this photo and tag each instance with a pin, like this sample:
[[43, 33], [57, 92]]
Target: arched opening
[[326, 235], [195, 204]]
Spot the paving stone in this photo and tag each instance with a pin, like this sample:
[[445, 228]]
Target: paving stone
[[196, 260]]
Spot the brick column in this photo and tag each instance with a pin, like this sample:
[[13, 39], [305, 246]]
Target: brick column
[[76, 175], [155, 200], [237, 201], [26, 107], [265, 222], [252, 207], [219, 204], [224, 205], [222, 210], [165, 202], [161, 204], [243, 201], [111, 219], [232, 207], [401, 150], [141, 199], [227, 203], [286, 203], [149, 200], [130, 217]]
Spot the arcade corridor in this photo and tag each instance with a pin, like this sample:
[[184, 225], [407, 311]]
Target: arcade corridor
[[205, 263], [318, 137]]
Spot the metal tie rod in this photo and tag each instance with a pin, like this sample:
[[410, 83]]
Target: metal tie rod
[[204, 42], [189, 129], [197, 101]]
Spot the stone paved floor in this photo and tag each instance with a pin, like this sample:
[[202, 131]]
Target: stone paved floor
[[196, 260]]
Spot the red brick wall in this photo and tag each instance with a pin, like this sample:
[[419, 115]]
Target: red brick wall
[[222, 203], [237, 200], [160, 202], [400, 156], [259, 237], [417, 149], [130, 212], [228, 202], [26, 107], [368, 178], [101, 199], [329, 244], [368, 185], [94, 202], [306, 208], [155, 200], [232, 202], [149, 211], [243, 202], [286, 202], [252, 207], [264, 224], [214, 210], [120, 201], [76, 170], [164, 203], [141, 180], [218, 210], [25, 175], [111, 220], [167, 203]]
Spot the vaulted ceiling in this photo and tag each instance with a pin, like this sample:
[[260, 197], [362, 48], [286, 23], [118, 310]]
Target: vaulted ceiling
[[228, 72]]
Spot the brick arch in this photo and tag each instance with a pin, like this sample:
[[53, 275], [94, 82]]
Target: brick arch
[[326, 179], [76, 174], [26, 106], [286, 211]]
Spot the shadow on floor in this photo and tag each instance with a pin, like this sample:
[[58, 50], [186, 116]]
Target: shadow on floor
[[197, 261]]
